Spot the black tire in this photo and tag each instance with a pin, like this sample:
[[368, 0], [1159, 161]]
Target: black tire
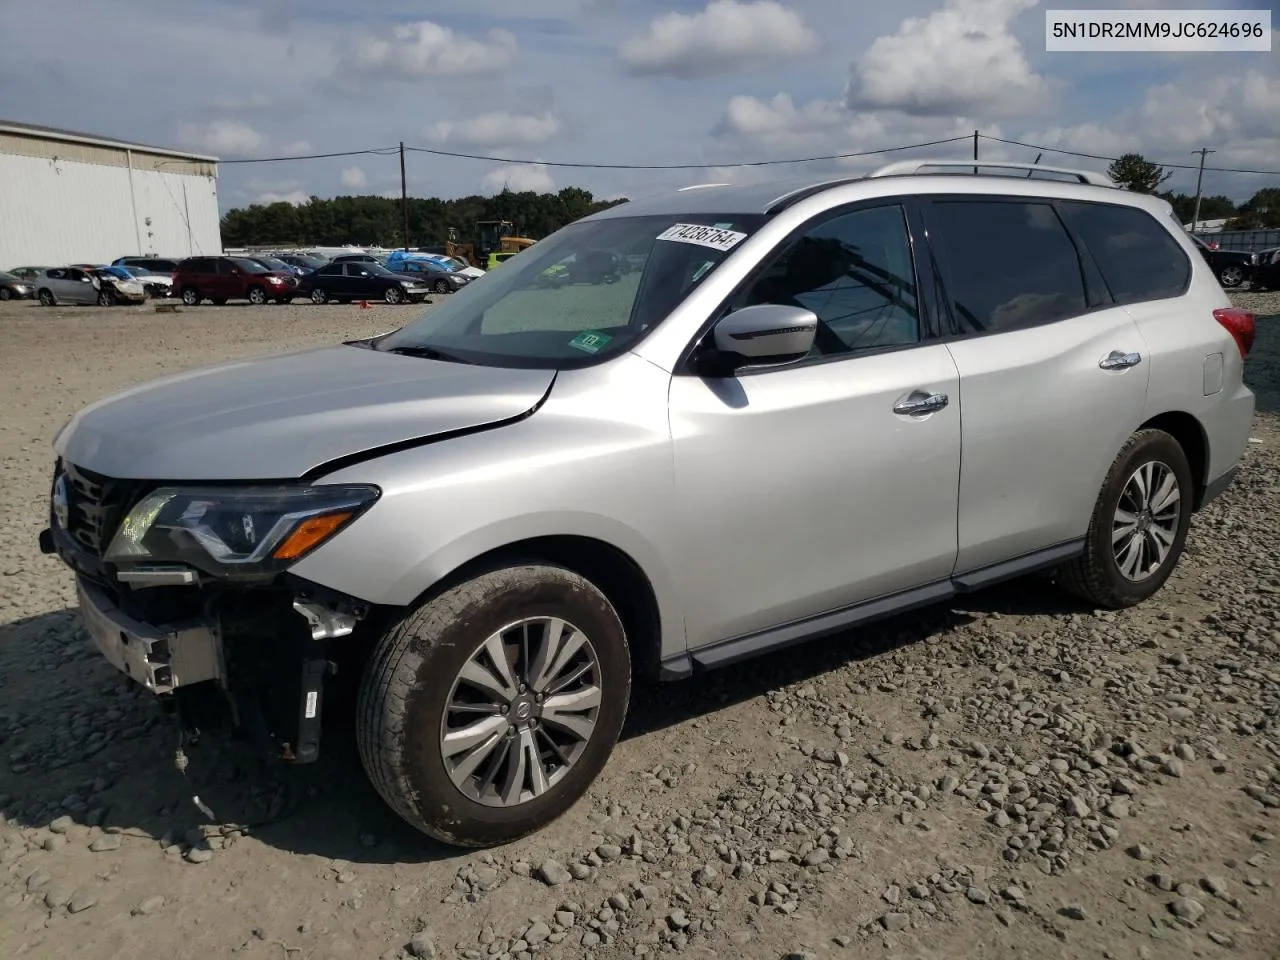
[[318, 296], [410, 676], [191, 296], [1095, 575], [393, 294], [441, 286], [257, 296], [106, 298], [47, 298], [5, 293], [1232, 275]]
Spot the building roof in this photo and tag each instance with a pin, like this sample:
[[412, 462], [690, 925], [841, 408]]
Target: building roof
[[92, 139]]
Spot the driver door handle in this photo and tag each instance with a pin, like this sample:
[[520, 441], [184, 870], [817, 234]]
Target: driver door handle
[[1119, 360], [921, 403]]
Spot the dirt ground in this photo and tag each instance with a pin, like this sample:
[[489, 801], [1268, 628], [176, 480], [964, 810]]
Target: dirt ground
[[1008, 776]]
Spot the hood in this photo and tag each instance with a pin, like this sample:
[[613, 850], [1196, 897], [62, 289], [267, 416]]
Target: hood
[[279, 417]]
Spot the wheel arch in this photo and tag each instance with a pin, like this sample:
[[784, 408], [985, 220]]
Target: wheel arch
[[1190, 435], [617, 574]]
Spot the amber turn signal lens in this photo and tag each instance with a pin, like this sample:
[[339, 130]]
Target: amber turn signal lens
[[309, 534]]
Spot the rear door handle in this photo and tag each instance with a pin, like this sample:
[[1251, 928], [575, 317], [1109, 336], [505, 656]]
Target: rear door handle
[[920, 403], [1119, 360]]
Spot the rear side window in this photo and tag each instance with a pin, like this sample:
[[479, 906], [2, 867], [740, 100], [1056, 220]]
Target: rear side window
[[1008, 265], [1137, 257]]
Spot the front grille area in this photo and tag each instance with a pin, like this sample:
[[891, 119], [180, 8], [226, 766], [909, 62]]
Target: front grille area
[[96, 505]]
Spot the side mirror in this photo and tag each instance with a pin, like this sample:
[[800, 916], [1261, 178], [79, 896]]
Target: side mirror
[[765, 334]]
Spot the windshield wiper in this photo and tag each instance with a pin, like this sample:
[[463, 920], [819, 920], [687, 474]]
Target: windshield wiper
[[428, 353]]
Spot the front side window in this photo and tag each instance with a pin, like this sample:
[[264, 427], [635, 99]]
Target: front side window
[[564, 302], [1008, 265], [1138, 259], [855, 272]]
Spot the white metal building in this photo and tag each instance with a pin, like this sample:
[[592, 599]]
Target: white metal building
[[76, 198]]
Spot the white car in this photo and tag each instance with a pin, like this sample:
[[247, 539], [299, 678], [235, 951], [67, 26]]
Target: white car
[[455, 265]]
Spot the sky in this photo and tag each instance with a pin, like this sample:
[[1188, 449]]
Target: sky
[[621, 82]]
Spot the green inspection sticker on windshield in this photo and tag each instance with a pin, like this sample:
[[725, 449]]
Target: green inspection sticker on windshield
[[589, 341]]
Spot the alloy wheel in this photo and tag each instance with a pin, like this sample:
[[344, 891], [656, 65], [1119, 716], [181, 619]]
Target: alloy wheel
[[521, 712], [1145, 525]]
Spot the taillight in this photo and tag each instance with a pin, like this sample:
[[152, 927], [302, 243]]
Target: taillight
[[1240, 325]]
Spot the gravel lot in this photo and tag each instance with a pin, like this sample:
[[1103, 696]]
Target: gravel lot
[[1011, 775]]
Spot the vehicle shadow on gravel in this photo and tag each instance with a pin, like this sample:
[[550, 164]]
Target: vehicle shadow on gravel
[[95, 747]]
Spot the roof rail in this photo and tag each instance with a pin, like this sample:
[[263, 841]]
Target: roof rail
[[903, 167]]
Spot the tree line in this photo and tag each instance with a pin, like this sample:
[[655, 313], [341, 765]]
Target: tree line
[[1135, 172], [379, 221]]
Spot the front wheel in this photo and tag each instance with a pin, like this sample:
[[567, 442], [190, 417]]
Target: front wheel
[[441, 286], [1139, 525], [487, 712], [5, 294], [106, 298], [318, 296], [257, 296], [47, 298], [394, 295]]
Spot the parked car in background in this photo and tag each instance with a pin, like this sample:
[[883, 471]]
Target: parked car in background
[[1266, 275], [28, 274], [154, 264], [157, 285], [115, 285], [359, 258], [430, 274], [277, 265], [304, 262], [1231, 267], [56, 285], [15, 288], [344, 281], [232, 278]]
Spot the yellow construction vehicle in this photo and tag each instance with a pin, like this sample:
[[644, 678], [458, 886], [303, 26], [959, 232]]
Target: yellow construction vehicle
[[491, 236]]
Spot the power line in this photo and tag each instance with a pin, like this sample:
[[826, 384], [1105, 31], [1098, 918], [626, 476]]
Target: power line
[[683, 166], [374, 151], [1095, 156]]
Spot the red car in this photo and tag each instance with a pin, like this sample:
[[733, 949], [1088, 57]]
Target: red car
[[231, 278]]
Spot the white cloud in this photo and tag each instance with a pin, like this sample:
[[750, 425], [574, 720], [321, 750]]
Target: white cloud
[[726, 35], [231, 138], [779, 120], [959, 58], [496, 129], [295, 197], [353, 178], [518, 178], [415, 51], [294, 148]]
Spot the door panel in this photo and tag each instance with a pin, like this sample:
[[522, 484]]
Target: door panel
[[1042, 423], [801, 491]]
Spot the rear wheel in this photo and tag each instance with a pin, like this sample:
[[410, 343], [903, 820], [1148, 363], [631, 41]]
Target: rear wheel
[[190, 296], [486, 713], [393, 295], [257, 296], [1139, 525]]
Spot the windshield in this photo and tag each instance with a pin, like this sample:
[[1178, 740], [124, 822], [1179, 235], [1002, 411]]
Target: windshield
[[273, 264], [588, 291]]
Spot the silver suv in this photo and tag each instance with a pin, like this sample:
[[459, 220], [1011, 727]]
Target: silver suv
[[805, 405]]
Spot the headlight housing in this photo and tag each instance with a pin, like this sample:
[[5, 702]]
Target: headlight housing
[[407, 283], [236, 532]]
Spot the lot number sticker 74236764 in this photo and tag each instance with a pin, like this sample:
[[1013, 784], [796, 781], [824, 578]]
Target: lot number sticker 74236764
[[714, 237]]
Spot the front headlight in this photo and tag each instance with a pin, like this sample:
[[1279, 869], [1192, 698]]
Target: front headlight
[[274, 280], [408, 284], [237, 531]]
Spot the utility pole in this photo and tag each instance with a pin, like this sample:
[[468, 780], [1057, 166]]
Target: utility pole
[[1195, 217], [975, 151], [404, 199]]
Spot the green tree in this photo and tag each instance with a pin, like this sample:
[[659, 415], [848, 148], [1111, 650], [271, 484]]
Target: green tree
[[1259, 212], [378, 221], [1134, 172], [1211, 208]]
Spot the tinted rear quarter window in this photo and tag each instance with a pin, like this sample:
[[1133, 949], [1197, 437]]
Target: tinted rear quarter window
[[1137, 257], [1008, 265]]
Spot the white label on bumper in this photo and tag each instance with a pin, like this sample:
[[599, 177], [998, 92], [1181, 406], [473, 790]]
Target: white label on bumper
[[311, 704]]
